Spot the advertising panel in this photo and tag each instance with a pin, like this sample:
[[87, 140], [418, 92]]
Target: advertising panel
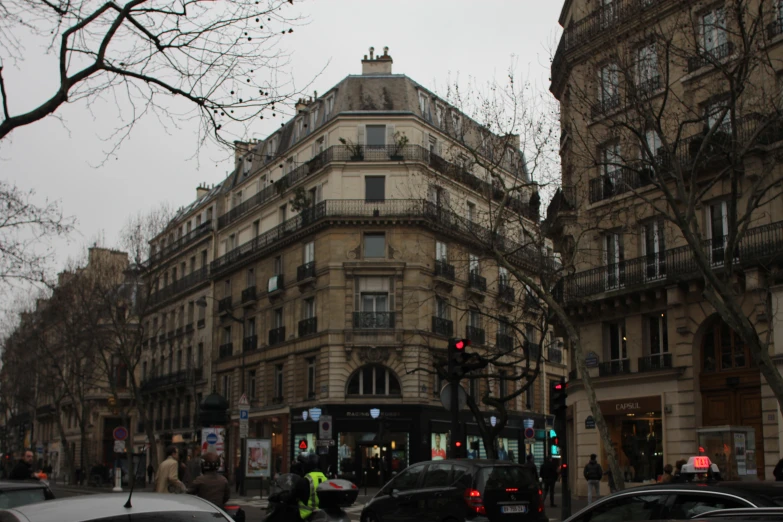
[[259, 453], [213, 440]]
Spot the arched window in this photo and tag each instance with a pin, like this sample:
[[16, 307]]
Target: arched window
[[374, 379], [723, 349]]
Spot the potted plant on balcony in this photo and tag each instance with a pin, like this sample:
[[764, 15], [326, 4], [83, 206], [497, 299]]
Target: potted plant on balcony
[[400, 141], [301, 200], [357, 151]]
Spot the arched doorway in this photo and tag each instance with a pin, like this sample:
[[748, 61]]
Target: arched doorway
[[730, 384]]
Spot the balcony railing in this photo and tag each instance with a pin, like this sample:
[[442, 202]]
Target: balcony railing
[[555, 355], [250, 343], [444, 270], [175, 423], [506, 292], [477, 282], [618, 367], [437, 217], [601, 20], [706, 57], [342, 153], [775, 28], [226, 350], [605, 105], [653, 363], [180, 243], [186, 283], [532, 349], [166, 424], [224, 305], [276, 335], [373, 320], [201, 323], [179, 378], [441, 326], [189, 327], [305, 271], [308, 326], [757, 244], [475, 334], [504, 342], [249, 294], [186, 421], [648, 86]]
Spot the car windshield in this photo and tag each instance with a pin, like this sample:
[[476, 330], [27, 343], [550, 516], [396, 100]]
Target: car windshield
[[501, 477], [20, 497]]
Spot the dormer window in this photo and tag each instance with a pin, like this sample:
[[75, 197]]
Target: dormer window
[[247, 163], [424, 105], [299, 129], [314, 117], [456, 122], [439, 113], [329, 107]]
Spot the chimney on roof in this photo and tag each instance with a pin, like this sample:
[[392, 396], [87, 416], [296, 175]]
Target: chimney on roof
[[377, 65], [201, 191], [301, 105]]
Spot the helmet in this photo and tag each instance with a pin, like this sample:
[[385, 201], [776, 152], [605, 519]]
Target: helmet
[[310, 461], [210, 462]]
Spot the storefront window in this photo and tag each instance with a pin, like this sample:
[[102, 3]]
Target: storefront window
[[640, 448], [438, 445], [507, 448], [360, 456]]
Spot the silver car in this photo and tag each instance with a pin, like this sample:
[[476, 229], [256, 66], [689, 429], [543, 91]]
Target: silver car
[[146, 507]]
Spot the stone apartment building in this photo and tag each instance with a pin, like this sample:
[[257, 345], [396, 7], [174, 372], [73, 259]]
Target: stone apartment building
[[666, 368]]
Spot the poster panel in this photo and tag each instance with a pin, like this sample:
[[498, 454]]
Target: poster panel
[[439, 443], [213, 440], [259, 453]]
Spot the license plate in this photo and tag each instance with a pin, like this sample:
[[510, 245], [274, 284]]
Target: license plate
[[514, 509]]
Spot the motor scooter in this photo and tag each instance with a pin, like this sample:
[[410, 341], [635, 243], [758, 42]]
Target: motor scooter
[[235, 512], [333, 496]]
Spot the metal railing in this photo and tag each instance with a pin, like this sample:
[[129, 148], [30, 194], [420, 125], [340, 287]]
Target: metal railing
[[532, 349], [648, 86], [226, 350], [444, 270], [653, 363], [554, 355], [308, 326], [477, 282], [250, 343], [224, 305], [774, 28], [618, 367], [175, 423], [706, 57], [442, 326], [180, 243], [201, 323], [373, 320], [305, 271], [602, 19], [342, 153], [605, 105], [475, 334], [189, 281], [506, 292], [249, 294], [276, 335], [504, 341], [758, 243]]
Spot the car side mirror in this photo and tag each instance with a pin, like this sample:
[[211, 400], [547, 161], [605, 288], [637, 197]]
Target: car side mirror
[[395, 493]]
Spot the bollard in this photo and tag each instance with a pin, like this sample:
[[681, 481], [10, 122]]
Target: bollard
[[117, 479]]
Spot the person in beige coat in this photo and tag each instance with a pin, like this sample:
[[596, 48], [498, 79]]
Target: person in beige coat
[[168, 473]]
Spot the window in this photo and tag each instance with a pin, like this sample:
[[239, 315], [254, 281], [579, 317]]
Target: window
[[375, 188], [424, 106], [713, 113], [278, 265], [278, 318], [314, 119], [144, 371], [471, 212], [438, 196], [502, 276], [474, 319], [657, 335], [614, 257], [407, 480], [718, 229], [309, 308], [329, 107], [456, 122], [723, 349], [251, 385], [247, 162], [375, 302], [227, 288], [653, 141], [282, 213], [300, 129], [278, 381], [647, 68], [654, 249], [691, 505], [437, 476], [618, 349], [251, 278], [189, 357], [376, 135], [502, 384], [309, 252], [611, 159], [311, 377], [640, 507], [473, 264], [179, 360], [439, 111], [375, 245], [250, 327], [374, 380], [256, 227], [204, 259], [227, 387], [441, 252], [530, 397], [200, 355], [441, 308], [713, 30], [609, 83], [226, 334]]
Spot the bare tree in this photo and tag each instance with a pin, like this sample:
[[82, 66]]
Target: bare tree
[[26, 229], [222, 58]]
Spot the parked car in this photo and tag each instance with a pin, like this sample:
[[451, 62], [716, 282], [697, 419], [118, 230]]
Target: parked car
[[15, 493], [459, 490]]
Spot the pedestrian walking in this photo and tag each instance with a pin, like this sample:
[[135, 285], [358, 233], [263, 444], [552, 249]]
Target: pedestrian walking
[[195, 465], [677, 477], [210, 485], [778, 471], [23, 470], [593, 473], [549, 476], [168, 473], [667, 474], [531, 465], [150, 472], [238, 478]]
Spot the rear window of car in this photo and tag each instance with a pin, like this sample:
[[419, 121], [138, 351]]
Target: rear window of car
[[21, 497], [502, 477]]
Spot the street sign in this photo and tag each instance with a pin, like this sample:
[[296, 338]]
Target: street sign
[[243, 401], [590, 423], [243, 430], [119, 446], [39, 449], [303, 444], [530, 433], [324, 443], [120, 433], [212, 439], [445, 397], [325, 427], [591, 361], [244, 415]]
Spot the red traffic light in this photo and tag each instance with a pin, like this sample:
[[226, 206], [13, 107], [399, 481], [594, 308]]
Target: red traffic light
[[458, 444], [303, 444], [559, 386], [564, 466]]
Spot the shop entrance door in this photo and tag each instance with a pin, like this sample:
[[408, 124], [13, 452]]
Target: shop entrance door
[[380, 462]]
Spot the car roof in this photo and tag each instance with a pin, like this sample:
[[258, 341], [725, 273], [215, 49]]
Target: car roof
[[762, 488], [473, 462], [11, 485], [75, 509]]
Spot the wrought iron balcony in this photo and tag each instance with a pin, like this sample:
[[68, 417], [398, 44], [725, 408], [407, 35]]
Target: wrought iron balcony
[[308, 326], [706, 57], [758, 244], [475, 334], [619, 367], [532, 349], [189, 327], [444, 270], [504, 342], [653, 363], [172, 380], [226, 350], [506, 292], [249, 294], [276, 335], [224, 305], [373, 320], [441, 326], [648, 86], [477, 282], [250, 343], [606, 105], [181, 285], [305, 271], [180, 243], [555, 355], [201, 323]]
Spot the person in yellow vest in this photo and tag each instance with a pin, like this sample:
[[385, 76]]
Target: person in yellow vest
[[314, 477]]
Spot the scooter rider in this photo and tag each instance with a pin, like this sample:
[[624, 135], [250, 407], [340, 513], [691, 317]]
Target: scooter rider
[[314, 477]]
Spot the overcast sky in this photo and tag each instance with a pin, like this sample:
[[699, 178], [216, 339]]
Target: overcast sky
[[429, 40]]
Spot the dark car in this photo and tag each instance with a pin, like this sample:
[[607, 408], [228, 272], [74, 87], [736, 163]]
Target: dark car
[[759, 514], [15, 493], [681, 501], [459, 490]]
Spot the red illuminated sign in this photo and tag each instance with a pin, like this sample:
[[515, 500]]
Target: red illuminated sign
[[701, 462], [303, 444]]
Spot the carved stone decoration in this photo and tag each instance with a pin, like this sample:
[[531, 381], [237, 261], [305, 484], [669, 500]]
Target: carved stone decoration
[[356, 253], [392, 252], [373, 354]]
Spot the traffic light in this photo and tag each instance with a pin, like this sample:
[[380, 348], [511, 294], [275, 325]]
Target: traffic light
[[559, 393], [457, 356]]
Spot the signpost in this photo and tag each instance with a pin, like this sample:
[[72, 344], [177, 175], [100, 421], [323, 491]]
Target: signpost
[[244, 416], [120, 434], [530, 433], [325, 427]]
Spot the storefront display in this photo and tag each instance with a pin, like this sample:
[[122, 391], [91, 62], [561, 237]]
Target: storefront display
[[636, 428], [732, 448], [440, 441]]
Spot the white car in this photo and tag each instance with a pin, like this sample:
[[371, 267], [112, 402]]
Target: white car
[[146, 507]]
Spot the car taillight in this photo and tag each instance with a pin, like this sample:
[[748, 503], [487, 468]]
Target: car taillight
[[540, 501], [512, 490], [230, 508], [474, 501]]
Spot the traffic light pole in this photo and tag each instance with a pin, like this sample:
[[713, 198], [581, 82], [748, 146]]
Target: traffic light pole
[[562, 433], [454, 418]]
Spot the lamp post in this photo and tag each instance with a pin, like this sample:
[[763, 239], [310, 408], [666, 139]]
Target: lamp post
[[201, 302]]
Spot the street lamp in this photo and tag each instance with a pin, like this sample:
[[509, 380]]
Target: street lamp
[[201, 302]]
